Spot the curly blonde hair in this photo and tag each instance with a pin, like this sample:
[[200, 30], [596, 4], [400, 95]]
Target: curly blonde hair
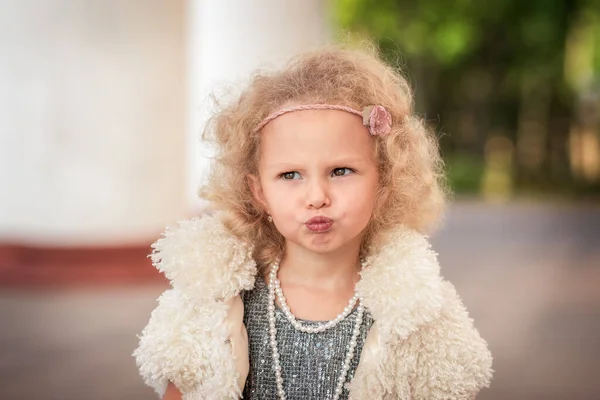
[[412, 190]]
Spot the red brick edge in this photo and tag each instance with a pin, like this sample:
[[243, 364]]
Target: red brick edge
[[25, 266]]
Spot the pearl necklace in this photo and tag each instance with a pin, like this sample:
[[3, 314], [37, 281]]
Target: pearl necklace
[[274, 287], [297, 324]]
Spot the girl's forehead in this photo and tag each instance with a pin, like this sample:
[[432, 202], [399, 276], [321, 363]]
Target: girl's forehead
[[316, 133]]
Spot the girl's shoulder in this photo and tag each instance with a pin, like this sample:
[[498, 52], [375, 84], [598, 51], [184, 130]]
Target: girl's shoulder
[[201, 256], [207, 268], [420, 315]]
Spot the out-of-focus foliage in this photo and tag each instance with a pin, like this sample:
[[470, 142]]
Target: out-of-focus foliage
[[514, 86]]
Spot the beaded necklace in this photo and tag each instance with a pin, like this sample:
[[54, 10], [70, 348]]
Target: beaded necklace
[[275, 290]]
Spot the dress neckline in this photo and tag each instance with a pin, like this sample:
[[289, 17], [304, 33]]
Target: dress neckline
[[260, 280]]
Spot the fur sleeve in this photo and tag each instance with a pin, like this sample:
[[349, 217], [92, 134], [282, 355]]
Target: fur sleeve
[[453, 361], [192, 335], [187, 345]]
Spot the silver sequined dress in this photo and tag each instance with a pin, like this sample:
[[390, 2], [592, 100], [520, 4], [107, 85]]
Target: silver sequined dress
[[310, 363]]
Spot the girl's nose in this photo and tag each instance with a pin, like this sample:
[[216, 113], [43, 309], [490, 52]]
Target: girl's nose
[[318, 194]]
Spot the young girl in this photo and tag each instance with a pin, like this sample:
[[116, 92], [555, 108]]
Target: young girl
[[310, 278]]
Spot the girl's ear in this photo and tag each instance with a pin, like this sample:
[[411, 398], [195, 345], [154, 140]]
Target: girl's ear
[[257, 192]]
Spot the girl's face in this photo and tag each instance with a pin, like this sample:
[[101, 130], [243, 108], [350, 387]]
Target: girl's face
[[317, 178]]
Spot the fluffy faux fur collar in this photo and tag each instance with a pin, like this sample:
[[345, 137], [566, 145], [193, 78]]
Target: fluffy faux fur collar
[[402, 284], [187, 343]]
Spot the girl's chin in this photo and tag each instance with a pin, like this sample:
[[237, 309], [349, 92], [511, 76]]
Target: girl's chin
[[323, 243]]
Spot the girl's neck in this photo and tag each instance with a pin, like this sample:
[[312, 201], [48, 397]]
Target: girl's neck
[[326, 271]]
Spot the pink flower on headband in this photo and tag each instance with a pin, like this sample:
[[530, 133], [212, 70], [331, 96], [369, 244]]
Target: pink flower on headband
[[378, 120]]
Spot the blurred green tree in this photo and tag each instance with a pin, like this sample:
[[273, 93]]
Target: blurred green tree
[[481, 70]]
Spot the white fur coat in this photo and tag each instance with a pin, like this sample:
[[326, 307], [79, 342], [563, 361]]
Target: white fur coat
[[422, 345]]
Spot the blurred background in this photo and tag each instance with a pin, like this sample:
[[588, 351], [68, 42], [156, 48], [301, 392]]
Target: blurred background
[[101, 107]]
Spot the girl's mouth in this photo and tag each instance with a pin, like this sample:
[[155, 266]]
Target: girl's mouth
[[319, 224]]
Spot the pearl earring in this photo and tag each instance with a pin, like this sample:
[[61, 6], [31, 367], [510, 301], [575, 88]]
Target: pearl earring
[[269, 218]]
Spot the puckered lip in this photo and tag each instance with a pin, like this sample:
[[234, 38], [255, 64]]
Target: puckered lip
[[319, 219]]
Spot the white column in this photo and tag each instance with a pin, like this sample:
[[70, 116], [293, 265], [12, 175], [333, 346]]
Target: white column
[[92, 123], [101, 110], [231, 38]]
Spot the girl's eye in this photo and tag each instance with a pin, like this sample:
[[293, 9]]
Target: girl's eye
[[341, 171], [290, 175]]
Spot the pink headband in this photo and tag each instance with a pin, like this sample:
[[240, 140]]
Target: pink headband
[[376, 118]]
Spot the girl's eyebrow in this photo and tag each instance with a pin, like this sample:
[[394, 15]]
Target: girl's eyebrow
[[333, 162], [349, 160], [284, 166]]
